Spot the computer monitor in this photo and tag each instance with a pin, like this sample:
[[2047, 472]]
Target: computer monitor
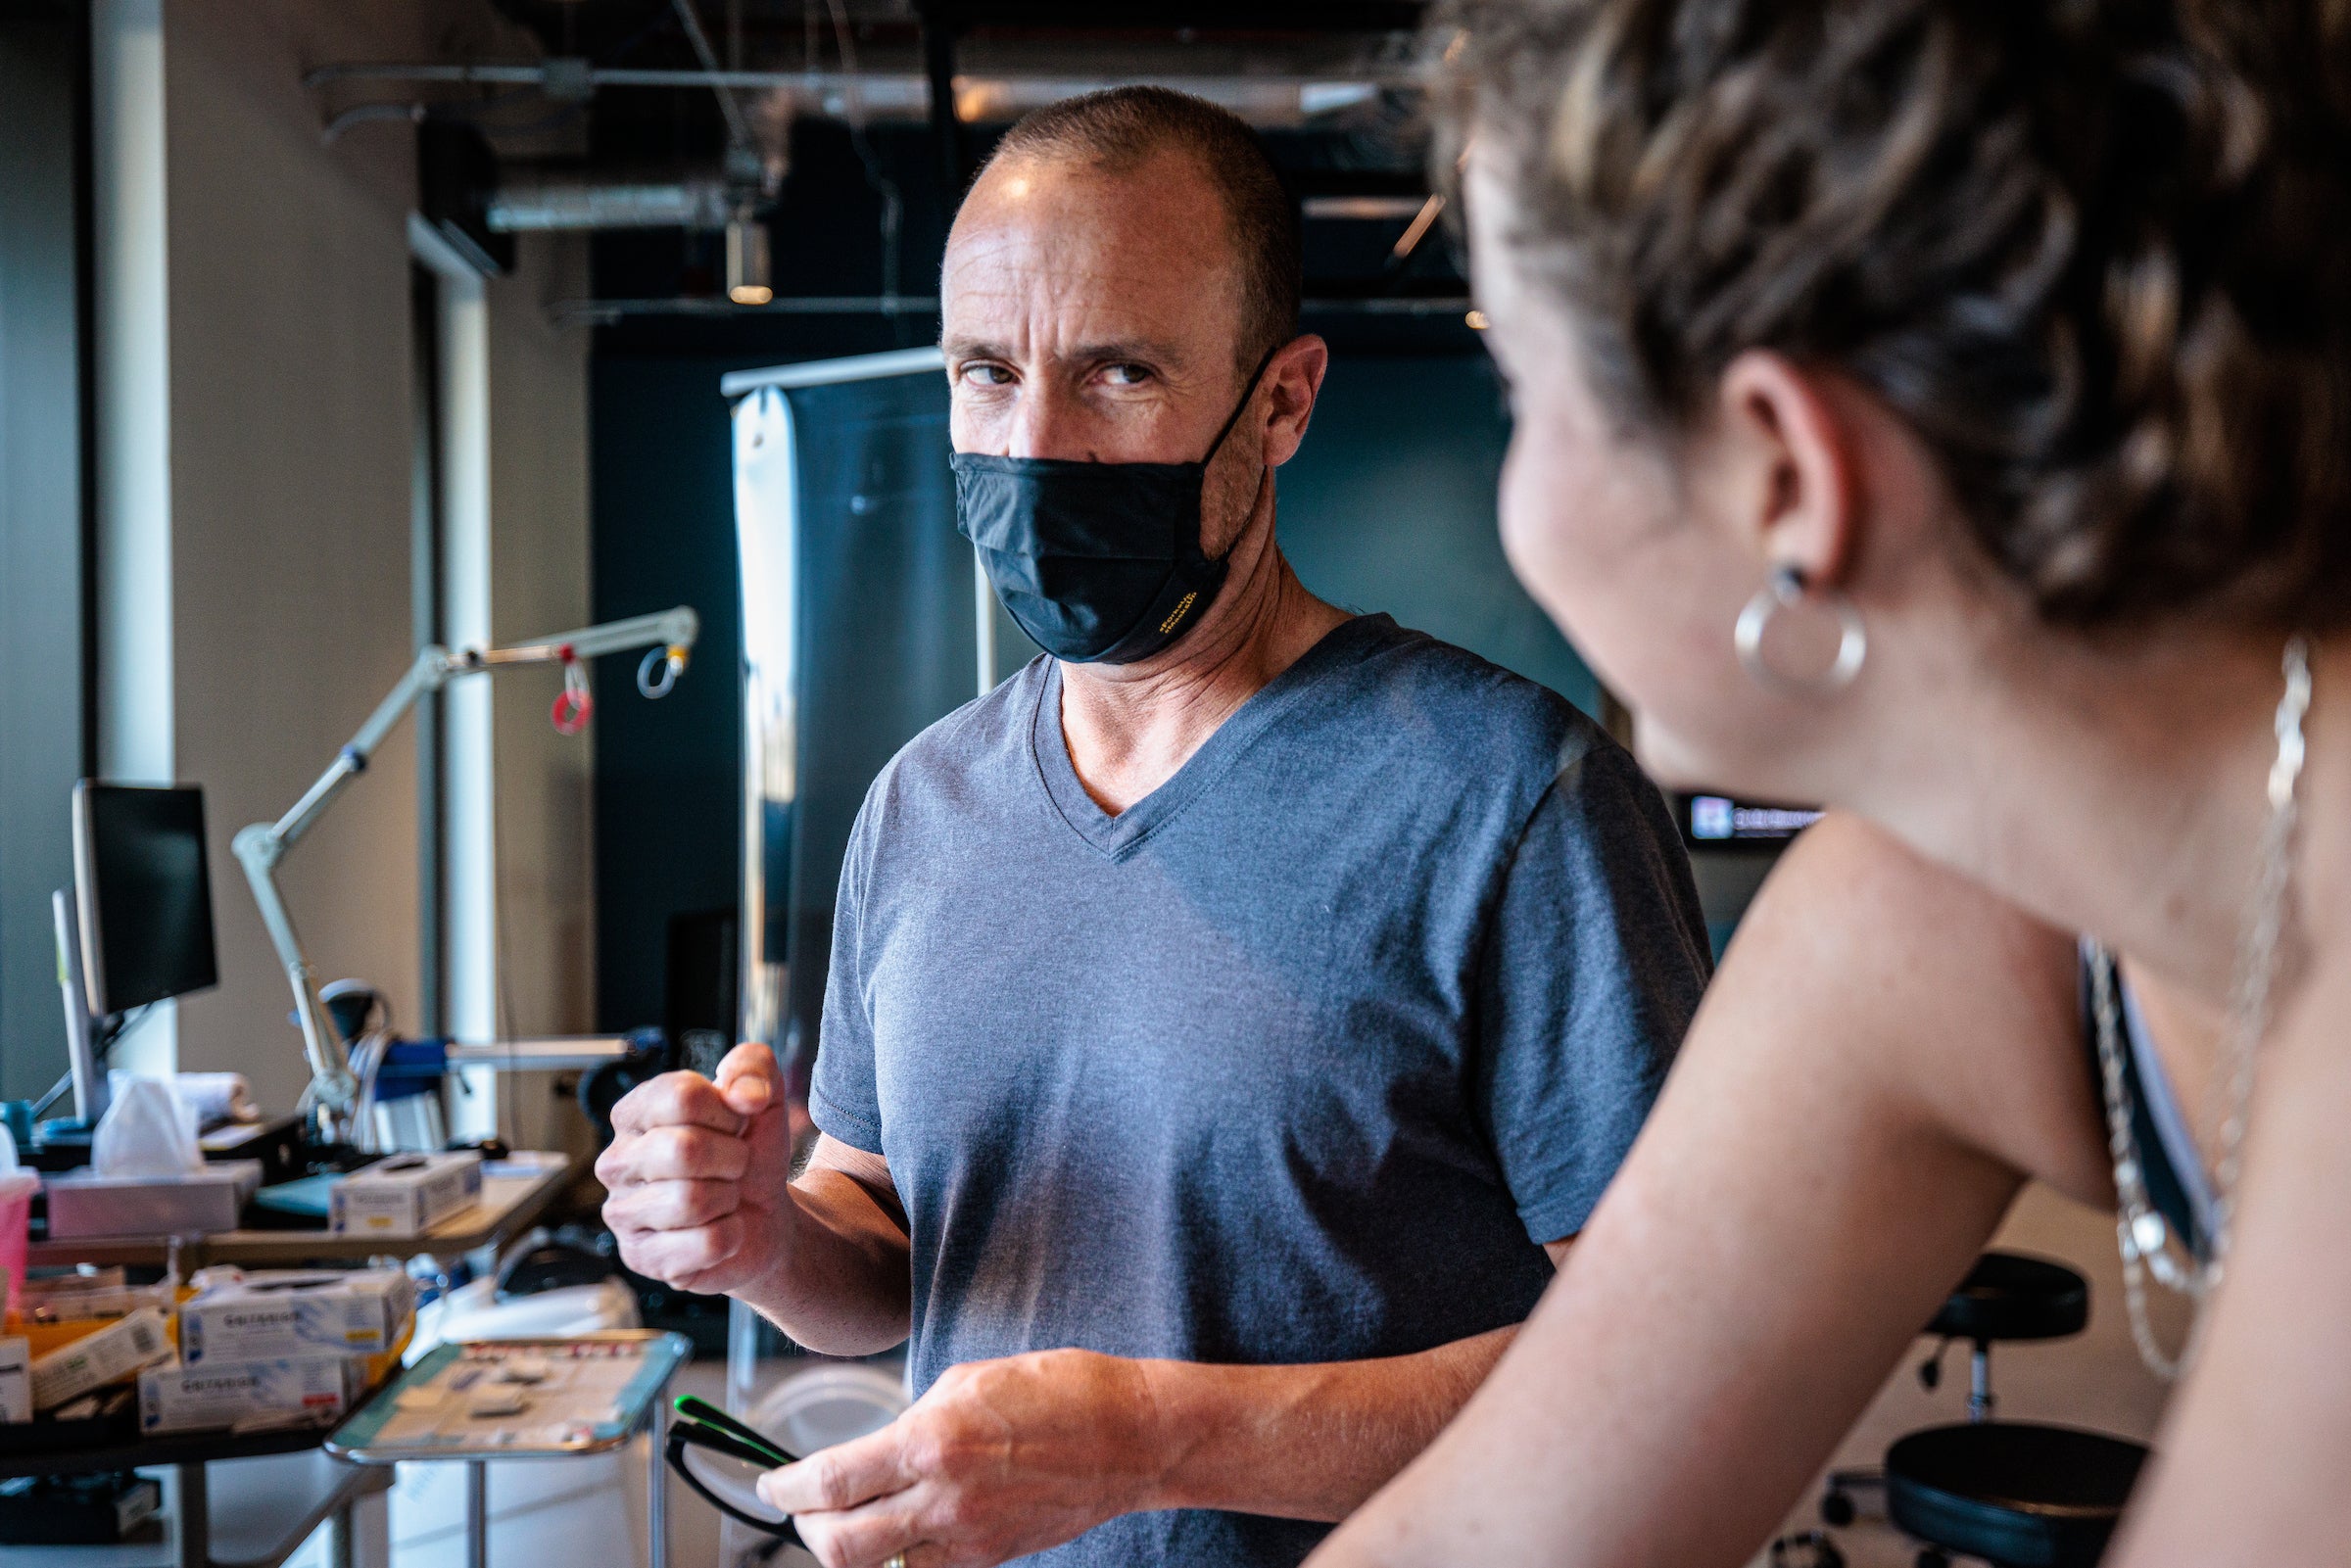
[[144, 894], [1719, 822]]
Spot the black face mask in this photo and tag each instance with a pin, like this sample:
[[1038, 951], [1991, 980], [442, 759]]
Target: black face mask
[[1098, 562]]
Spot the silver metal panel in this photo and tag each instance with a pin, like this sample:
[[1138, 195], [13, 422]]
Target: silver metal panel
[[767, 546], [864, 621], [827, 372]]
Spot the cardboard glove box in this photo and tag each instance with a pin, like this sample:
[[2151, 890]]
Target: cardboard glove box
[[250, 1395], [405, 1195], [200, 1202], [16, 1379], [109, 1355], [276, 1315]]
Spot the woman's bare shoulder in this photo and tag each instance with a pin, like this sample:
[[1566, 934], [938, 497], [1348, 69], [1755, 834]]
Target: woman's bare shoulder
[[1953, 998]]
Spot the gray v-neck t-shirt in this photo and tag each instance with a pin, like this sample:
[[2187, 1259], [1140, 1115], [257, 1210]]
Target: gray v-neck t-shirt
[[1298, 1059]]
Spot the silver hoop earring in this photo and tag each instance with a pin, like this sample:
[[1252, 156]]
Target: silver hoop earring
[[1784, 589]]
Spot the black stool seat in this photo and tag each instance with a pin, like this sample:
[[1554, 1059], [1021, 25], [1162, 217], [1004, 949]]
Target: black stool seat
[[2009, 1297], [2012, 1492]]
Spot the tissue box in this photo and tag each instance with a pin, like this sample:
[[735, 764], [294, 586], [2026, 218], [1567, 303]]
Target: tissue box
[[94, 1360], [272, 1315], [405, 1195], [16, 1379], [279, 1391], [82, 1203]]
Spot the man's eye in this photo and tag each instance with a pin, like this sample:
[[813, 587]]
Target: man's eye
[[987, 375], [1127, 375]]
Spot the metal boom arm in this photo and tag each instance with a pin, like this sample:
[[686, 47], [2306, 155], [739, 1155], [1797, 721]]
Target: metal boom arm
[[260, 847]]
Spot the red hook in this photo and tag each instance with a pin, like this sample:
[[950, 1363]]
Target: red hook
[[571, 710], [573, 705]]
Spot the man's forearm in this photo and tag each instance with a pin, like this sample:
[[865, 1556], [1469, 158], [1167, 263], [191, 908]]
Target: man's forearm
[[841, 1283], [1305, 1442]]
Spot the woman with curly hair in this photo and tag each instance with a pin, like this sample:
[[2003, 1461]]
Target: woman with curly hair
[[1941, 409]]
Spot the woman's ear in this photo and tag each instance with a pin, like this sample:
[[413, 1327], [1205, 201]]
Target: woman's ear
[[1790, 466]]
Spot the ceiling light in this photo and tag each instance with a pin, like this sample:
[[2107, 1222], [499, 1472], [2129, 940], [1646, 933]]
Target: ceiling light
[[746, 261]]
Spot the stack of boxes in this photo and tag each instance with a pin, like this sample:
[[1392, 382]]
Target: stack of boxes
[[277, 1349], [236, 1350], [244, 1350], [240, 1351], [108, 1353], [71, 1338]]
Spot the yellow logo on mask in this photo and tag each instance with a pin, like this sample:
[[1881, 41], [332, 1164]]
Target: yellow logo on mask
[[1177, 614]]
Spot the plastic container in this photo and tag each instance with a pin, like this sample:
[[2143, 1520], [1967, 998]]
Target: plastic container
[[828, 1405], [815, 1405], [17, 1187]]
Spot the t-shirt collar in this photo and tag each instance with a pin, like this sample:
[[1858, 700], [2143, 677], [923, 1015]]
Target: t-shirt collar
[[1123, 834]]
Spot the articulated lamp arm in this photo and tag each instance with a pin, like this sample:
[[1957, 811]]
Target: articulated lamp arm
[[260, 847]]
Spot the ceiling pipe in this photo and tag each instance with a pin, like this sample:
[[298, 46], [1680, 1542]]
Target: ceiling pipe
[[604, 313], [559, 205], [906, 97]]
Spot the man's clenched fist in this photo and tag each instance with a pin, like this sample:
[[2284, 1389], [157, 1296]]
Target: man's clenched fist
[[697, 1174]]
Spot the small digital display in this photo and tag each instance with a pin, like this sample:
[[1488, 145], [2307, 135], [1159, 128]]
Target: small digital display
[[145, 893], [1717, 820]]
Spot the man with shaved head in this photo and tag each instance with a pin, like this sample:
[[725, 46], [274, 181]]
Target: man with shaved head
[[1232, 1015]]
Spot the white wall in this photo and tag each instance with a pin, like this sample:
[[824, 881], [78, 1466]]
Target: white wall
[[520, 931], [290, 426], [539, 584], [132, 433]]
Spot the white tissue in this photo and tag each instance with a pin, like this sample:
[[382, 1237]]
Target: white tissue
[[220, 1097], [216, 1098], [148, 1131]]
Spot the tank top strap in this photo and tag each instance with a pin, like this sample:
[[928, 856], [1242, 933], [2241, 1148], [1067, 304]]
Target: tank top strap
[[2173, 1167]]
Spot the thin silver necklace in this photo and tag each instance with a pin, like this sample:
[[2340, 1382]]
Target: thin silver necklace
[[2146, 1237]]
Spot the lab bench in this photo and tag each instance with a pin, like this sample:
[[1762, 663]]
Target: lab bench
[[251, 1502]]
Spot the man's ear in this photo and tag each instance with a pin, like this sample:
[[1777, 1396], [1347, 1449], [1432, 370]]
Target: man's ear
[[1796, 494], [1294, 378]]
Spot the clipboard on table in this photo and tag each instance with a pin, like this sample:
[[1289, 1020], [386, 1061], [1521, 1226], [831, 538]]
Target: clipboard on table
[[550, 1398]]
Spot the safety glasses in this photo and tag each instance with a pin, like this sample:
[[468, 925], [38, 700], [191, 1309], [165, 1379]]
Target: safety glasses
[[722, 1459]]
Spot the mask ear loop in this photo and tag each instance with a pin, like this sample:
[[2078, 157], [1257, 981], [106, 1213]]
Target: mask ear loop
[[1239, 409], [1242, 407]]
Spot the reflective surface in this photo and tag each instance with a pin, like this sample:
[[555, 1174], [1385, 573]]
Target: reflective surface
[[767, 546], [859, 628]]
